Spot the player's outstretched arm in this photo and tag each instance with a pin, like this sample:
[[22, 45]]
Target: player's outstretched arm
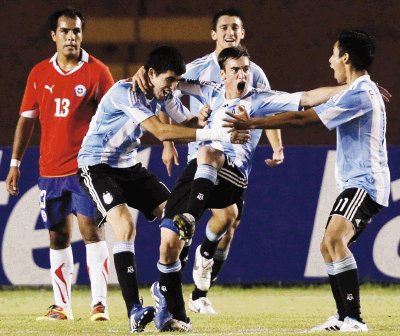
[[22, 137], [320, 95], [283, 120], [179, 133]]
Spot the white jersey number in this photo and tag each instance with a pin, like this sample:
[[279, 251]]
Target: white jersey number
[[62, 107]]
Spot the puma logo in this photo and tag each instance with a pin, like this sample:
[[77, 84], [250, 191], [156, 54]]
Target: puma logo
[[49, 88]]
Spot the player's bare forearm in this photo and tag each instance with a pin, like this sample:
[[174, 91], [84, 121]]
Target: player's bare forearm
[[282, 120], [275, 139], [320, 95], [22, 136]]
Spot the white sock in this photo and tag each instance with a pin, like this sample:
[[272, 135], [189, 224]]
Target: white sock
[[97, 263], [62, 266]]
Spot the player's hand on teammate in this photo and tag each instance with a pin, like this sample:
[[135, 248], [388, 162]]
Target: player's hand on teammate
[[386, 95], [203, 115], [277, 158], [12, 181], [141, 79], [237, 121], [169, 156]]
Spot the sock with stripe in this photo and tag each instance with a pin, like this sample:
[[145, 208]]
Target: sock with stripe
[[336, 291], [170, 280], [61, 269], [125, 266], [97, 264], [202, 186], [347, 279]]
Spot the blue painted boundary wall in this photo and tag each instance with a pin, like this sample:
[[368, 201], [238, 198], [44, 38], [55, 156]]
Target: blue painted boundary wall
[[277, 241]]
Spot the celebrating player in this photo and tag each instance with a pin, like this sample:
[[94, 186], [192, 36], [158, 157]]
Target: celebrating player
[[114, 179], [217, 176], [227, 31], [63, 93], [362, 172]]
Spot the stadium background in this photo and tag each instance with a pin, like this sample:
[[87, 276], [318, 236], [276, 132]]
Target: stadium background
[[292, 42]]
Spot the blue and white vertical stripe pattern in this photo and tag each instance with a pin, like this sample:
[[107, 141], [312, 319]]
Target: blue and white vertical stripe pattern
[[256, 102], [206, 69], [359, 116], [114, 132]]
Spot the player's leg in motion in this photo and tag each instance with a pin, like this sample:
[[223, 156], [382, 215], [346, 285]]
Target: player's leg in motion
[[125, 265], [209, 161], [351, 212], [61, 269], [167, 292], [205, 268], [97, 263]]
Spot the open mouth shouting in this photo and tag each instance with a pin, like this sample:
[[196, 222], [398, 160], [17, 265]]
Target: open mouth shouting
[[241, 86]]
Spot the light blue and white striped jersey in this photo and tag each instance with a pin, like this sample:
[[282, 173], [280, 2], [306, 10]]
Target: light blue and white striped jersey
[[359, 116], [257, 103], [114, 132], [206, 68]]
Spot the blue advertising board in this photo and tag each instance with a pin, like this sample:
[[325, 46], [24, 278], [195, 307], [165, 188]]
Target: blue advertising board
[[277, 240]]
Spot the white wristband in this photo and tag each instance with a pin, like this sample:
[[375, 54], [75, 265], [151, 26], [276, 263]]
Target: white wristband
[[15, 163], [213, 134]]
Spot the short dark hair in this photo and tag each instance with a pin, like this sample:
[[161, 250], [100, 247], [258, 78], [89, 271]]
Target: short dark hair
[[231, 52], [225, 11], [69, 12], [360, 47], [165, 58]]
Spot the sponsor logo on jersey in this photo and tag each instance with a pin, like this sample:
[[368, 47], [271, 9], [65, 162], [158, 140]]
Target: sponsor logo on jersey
[[107, 197], [80, 90], [50, 88]]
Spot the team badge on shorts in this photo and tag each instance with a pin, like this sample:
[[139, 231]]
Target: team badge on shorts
[[107, 197], [80, 90], [44, 215]]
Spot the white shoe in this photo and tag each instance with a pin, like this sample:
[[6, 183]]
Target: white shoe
[[202, 271], [331, 324], [352, 325], [201, 305]]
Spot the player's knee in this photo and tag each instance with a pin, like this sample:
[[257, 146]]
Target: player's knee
[[59, 240], [331, 242]]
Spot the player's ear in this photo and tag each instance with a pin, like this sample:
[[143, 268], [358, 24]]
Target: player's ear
[[346, 58], [151, 73], [53, 35], [213, 34], [243, 33], [222, 72]]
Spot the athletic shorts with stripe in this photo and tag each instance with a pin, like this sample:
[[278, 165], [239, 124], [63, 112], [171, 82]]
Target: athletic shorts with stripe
[[110, 187], [357, 206], [229, 189]]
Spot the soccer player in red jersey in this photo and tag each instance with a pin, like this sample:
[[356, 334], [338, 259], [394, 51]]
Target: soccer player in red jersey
[[63, 92]]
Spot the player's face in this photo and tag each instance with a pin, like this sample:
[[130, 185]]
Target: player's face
[[164, 83], [68, 37], [229, 32], [236, 75], [337, 63]]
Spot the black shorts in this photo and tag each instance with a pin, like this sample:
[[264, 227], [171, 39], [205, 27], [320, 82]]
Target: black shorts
[[356, 206], [229, 189], [110, 187]]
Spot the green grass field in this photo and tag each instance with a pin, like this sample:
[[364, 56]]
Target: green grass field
[[251, 311]]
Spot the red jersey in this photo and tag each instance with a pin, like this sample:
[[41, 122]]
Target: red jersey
[[65, 103]]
